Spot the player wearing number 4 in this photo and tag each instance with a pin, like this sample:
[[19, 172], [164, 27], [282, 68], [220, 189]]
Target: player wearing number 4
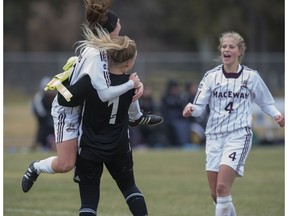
[[229, 90]]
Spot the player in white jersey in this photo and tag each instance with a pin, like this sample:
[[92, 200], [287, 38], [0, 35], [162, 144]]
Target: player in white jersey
[[66, 119], [229, 90]]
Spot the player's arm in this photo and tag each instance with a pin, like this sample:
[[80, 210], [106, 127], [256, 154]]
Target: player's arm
[[100, 79], [193, 110], [201, 99], [264, 99], [115, 91], [79, 90]]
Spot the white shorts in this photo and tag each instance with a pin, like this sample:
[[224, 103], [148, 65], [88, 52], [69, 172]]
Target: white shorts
[[231, 149], [66, 121]]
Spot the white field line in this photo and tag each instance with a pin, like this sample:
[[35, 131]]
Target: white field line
[[54, 213], [37, 212]]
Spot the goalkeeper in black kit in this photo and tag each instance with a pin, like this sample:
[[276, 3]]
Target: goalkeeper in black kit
[[103, 135]]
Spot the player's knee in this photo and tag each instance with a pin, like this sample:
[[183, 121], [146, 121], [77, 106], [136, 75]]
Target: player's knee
[[65, 166], [222, 189]]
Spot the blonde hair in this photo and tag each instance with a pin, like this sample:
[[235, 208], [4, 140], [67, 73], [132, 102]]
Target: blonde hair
[[119, 49], [241, 43]]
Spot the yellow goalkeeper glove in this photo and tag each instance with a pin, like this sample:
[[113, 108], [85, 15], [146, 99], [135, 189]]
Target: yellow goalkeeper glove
[[56, 81]]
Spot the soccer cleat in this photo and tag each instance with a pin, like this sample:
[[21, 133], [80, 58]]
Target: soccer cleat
[[146, 119], [29, 177]]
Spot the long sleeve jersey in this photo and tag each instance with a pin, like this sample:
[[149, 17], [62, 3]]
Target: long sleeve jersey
[[94, 63], [230, 97], [103, 133]]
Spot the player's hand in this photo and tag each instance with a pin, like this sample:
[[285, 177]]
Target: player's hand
[[280, 120], [134, 77], [188, 110], [138, 92]]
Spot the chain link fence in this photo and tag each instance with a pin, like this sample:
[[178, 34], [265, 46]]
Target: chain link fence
[[24, 71]]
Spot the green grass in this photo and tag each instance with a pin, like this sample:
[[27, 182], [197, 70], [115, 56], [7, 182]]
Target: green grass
[[173, 181]]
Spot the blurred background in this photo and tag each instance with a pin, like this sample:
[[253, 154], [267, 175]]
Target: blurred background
[[177, 43]]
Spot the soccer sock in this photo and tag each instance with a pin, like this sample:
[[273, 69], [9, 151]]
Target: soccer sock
[[134, 111], [87, 212], [224, 206], [233, 210], [137, 204], [45, 165]]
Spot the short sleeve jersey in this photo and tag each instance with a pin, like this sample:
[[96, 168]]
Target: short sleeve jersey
[[230, 97]]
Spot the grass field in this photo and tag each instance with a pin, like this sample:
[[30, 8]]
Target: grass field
[[173, 181]]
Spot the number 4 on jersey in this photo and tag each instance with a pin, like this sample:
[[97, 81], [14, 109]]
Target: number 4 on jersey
[[229, 107], [233, 156]]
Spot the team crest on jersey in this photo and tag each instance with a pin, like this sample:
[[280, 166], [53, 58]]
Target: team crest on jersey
[[244, 83]]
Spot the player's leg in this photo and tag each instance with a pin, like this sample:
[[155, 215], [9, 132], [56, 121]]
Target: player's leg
[[122, 172], [224, 204], [212, 181], [235, 151], [88, 174], [66, 133], [62, 163], [66, 157], [213, 158], [66, 126]]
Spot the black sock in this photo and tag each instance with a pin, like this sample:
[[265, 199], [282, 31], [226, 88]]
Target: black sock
[[137, 205], [87, 212]]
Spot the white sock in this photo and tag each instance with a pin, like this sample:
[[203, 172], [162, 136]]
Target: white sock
[[134, 111], [225, 207], [233, 211], [45, 165]]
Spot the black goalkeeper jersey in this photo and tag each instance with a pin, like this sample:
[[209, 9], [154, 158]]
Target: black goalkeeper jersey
[[103, 133]]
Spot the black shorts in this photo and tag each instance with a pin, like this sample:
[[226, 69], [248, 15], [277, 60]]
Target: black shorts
[[90, 172]]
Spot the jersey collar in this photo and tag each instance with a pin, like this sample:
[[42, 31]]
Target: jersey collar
[[233, 75]]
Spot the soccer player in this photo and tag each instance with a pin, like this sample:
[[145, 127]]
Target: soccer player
[[66, 119], [41, 108], [104, 138], [229, 90]]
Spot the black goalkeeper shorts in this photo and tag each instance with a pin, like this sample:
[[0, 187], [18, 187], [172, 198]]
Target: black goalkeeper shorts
[[90, 172]]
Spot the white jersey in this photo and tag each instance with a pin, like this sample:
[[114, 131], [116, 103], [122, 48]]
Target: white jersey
[[94, 63], [67, 119], [230, 97]]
